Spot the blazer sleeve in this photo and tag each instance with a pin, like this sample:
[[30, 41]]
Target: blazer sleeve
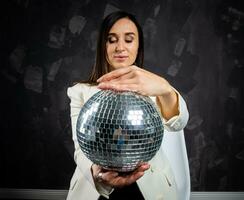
[[178, 122], [76, 102], [76, 95]]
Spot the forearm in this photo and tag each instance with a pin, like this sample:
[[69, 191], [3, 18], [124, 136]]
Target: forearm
[[168, 104]]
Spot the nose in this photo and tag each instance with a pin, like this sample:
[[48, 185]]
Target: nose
[[120, 46]]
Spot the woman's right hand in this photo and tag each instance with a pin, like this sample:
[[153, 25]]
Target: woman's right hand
[[116, 179]]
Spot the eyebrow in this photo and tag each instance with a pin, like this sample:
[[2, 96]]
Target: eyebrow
[[127, 33]]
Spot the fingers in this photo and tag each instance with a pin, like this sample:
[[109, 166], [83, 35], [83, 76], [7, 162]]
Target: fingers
[[131, 177], [109, 175], [120, 87], [123, 79], [143, 167], [116, 179], [126, 82], [127, 78], [114, 74], [117, 73], [128, 179]]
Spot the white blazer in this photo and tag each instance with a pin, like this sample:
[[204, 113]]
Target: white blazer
[[158, 183]]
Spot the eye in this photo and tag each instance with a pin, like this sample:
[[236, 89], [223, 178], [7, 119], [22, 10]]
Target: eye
[[129, 39], [111, 40]]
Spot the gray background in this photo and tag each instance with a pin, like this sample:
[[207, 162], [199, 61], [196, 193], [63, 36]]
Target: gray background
[[46, 46]]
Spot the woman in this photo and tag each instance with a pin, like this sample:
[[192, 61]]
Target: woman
[[119, 62]]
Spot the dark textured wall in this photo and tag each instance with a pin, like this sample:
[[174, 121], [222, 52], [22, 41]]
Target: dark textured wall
[[48, 45]]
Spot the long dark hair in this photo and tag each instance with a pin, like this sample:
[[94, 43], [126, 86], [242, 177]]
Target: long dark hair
[[101, 65]]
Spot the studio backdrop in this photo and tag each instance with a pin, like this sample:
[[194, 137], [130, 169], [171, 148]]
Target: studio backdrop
[[47, 46]]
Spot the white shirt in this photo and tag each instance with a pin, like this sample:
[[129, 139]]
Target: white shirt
[[157, 183]]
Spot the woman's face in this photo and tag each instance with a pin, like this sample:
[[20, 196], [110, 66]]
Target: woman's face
[[122, 44]]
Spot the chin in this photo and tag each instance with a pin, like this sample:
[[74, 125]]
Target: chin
[[119, 65]]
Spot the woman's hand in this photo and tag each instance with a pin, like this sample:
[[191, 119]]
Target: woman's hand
[[115, 179], [135, 79]]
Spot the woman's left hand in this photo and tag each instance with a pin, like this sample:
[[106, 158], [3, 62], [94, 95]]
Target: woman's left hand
[[116, 179], [135, 79], [138, 80]]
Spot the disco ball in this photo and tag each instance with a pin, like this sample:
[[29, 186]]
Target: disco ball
[[119, 130]]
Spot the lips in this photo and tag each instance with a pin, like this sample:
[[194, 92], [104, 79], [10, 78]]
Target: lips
[[120, 57]]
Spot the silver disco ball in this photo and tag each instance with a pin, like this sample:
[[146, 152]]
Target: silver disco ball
[[119, 130]]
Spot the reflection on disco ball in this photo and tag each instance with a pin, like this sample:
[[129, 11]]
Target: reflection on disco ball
[[118, 130]]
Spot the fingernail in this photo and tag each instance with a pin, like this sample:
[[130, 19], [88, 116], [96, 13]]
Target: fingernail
[[98, 80], [147, 167]]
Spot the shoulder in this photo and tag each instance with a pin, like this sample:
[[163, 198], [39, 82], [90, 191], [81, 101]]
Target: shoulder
[[77, 90], [79, 87], [81, 91]]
